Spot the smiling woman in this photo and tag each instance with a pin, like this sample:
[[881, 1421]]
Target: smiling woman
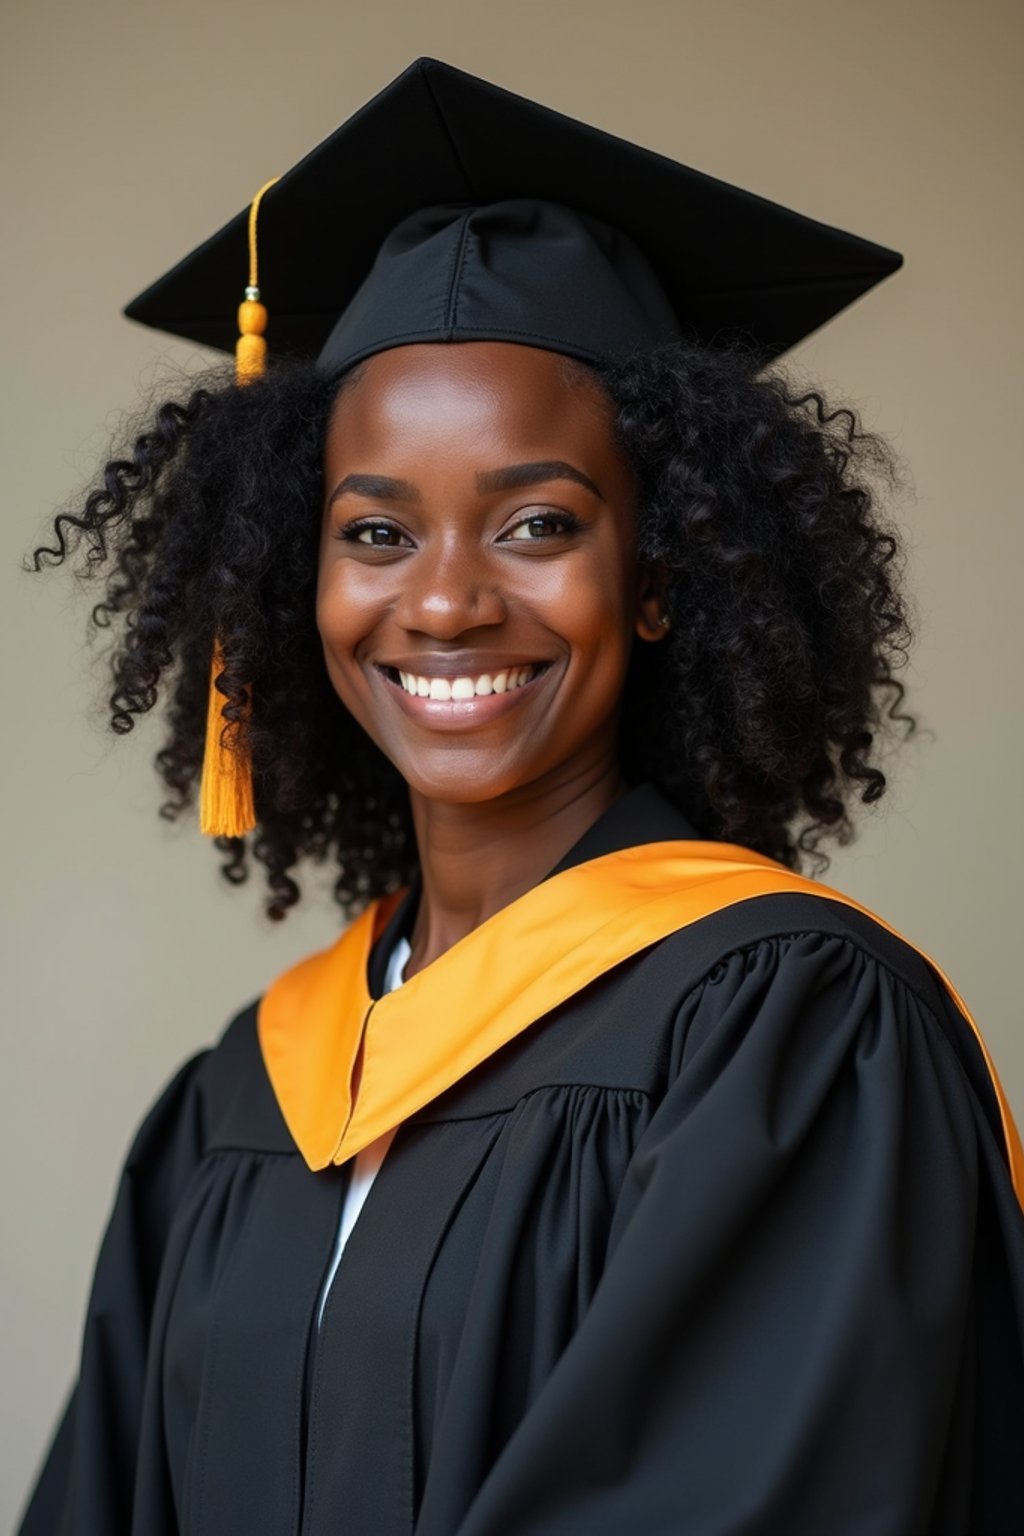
[[608, 1173]]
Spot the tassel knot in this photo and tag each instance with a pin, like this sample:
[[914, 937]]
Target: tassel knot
[[251, 346]]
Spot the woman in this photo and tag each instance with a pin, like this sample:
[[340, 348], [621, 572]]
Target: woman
[[693, 1201]]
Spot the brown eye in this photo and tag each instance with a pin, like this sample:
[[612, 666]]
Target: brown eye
[[543, 525], [376, 535]]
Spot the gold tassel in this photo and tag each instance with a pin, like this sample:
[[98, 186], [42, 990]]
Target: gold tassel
[[226, 807], [226, 803]]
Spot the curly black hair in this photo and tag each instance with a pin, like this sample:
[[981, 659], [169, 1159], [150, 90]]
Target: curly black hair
[[759, 715]]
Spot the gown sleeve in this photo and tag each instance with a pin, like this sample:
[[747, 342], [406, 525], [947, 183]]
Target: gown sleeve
[[86, 1483], [778, 1341]]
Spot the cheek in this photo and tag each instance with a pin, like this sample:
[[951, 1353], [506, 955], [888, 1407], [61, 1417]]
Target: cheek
[[602, 614], [594, 602], [348, 597], [343, 617], [330, 608]]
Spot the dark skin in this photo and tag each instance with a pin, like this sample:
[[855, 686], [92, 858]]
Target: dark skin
[[478, 537]]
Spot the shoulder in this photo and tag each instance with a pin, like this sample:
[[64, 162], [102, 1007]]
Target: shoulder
[[787, 974], [218, 1100], [237, 1104], [797, 932]]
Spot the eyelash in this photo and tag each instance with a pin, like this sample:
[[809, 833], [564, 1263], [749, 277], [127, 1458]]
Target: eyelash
[[566, 522]]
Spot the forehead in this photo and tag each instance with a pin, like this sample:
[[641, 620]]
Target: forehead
[[473, 397]]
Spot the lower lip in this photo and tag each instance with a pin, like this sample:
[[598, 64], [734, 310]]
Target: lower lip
[[460, 713]]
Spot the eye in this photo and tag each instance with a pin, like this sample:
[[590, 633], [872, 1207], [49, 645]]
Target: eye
[[377, 535], [543, 525]]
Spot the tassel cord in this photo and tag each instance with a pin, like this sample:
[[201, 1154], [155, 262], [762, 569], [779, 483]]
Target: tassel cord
[[226, 798]]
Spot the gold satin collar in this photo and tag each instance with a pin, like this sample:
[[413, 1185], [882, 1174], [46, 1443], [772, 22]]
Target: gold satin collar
[[517, 966]]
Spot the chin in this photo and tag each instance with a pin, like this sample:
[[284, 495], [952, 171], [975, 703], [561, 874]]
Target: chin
[[467, 782]]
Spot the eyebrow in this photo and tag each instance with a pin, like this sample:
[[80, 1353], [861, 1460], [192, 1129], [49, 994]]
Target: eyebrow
[[512, 477], [382, 487]]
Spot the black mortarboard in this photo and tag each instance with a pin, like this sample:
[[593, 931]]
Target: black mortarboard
[[449, 209]]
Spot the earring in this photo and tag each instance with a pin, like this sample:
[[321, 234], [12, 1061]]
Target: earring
[[664, 621]]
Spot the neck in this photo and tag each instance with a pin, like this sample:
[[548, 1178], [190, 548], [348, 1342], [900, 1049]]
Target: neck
[[475, 859]]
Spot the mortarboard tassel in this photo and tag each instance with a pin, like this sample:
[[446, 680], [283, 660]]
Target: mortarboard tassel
[[226, 804]]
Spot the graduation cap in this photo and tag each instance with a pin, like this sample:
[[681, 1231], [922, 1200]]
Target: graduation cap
[[448, 209]]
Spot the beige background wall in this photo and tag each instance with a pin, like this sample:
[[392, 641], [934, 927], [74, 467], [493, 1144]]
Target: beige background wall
[[131, 129]]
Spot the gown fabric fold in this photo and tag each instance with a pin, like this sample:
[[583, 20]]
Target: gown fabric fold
[[725, 1244]]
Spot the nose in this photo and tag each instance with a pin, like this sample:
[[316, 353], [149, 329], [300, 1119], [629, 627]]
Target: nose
[[447, 591]]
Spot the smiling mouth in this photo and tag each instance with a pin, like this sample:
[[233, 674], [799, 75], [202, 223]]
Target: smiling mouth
[[456, 689]]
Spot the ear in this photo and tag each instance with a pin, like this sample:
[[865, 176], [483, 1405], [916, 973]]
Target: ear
[[651, 621]]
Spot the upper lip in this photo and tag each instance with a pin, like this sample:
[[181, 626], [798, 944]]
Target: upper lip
[[475, 665]]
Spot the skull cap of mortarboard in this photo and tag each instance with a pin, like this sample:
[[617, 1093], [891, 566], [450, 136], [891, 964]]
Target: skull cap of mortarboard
[[448, 209]]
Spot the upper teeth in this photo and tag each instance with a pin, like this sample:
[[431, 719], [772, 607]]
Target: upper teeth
[[466, 687]]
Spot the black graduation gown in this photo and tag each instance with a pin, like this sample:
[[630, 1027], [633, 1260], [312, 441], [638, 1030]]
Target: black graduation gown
[[725, 1244]]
